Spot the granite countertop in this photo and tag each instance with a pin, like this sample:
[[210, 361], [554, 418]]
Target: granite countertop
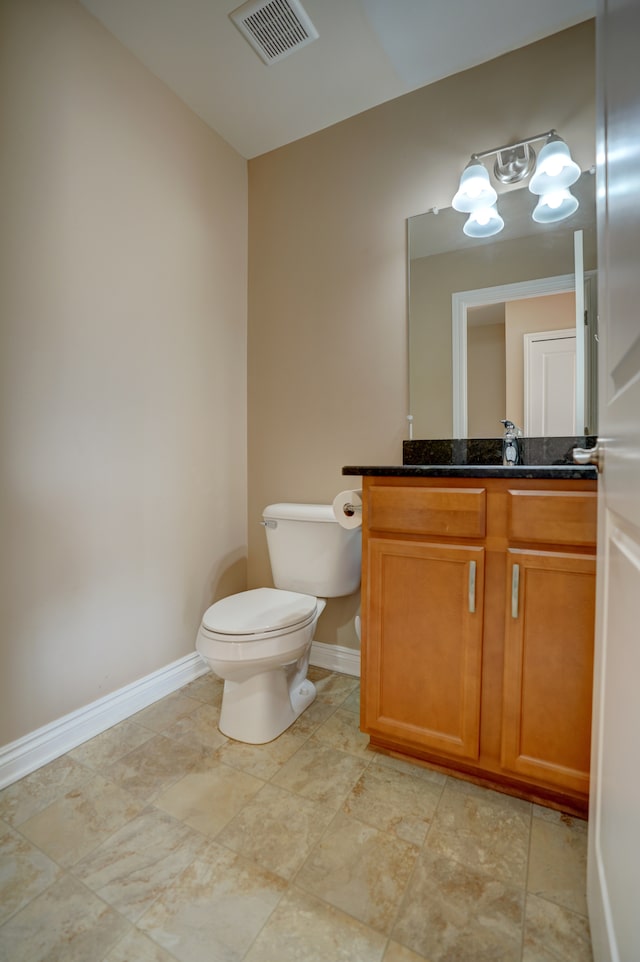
[[554, 472], [544, 458]]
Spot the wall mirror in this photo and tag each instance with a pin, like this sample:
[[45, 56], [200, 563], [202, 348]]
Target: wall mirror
[[504, 326]]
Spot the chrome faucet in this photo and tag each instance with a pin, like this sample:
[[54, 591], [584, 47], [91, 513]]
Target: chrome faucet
[[511, 446]]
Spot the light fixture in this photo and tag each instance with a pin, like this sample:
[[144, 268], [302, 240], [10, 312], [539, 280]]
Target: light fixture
[[483, 222], [555, 169], [475, 189], [555, 206], [553, 174]]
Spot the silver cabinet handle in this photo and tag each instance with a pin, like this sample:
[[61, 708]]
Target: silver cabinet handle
[[590, 456], [472, 587], [515, 586]]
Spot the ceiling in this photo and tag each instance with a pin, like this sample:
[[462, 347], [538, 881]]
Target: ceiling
[[368, 52]]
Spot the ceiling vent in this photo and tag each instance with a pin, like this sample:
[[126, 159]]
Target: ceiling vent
[[274, 28]]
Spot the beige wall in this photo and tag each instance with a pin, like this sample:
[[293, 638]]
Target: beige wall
[[124, 251], [486, 378], [327, 363]]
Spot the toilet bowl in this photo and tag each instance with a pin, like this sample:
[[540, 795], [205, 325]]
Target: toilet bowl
[[259, 641]]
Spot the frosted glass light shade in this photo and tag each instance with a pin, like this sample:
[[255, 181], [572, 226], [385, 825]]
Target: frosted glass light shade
[[483, 222], [555, 169], [475, 189], [555, 206]]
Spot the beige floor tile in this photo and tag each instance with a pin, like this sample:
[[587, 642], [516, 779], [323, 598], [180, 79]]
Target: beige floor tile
[[359, 870], [312, 717], [277, 829], [321, 773], [352, 703], [199, 729], [558, 862], [408, 767], [24, 872], [149, 770], [140, 862], [215, 909], [553, 934], [553, 815], [312, 809], [136, 947], [333, 688], [76, 824], [263, 761], [166, 712], [452, 913], [34, 792], [483, 830], [341, 731], [208, 800], [304, 929], [206, 688], [66, 923], [111, 745], [394, 802], [399, 953], [316, 674]]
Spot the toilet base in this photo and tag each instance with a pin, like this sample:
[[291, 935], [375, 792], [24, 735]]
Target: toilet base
[[259, 709]]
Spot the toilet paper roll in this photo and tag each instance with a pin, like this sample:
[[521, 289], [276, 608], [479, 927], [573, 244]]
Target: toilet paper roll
[[347, 509]]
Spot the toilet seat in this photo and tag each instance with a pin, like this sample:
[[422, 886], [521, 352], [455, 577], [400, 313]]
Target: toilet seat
[[259, 613]]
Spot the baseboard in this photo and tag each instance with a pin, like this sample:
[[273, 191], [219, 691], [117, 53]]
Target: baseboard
[[25, 755], [335, 658], [31, 752]]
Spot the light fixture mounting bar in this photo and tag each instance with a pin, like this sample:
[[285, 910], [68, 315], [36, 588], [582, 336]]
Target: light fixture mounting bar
[[520, 143]]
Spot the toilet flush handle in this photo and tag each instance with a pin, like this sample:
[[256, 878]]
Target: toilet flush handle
[[269, 523]]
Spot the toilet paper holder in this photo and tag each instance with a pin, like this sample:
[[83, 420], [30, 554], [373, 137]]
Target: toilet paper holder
[[347, 509]]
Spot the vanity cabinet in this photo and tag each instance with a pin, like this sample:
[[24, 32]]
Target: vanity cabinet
[[478, 613]]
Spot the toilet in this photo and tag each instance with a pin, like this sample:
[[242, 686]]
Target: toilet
[[259, 641]]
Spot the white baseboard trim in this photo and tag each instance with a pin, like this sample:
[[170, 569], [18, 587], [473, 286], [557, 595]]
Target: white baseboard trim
[[335, 658], [36, 749], [25, 755]]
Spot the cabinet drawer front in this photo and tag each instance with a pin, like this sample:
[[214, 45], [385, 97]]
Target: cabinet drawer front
[[553, 517], [449, 512]]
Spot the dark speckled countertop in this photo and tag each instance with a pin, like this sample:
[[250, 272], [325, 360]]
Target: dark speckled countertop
[[544, 458]]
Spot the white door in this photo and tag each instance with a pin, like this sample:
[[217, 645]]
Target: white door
[[550, 383], [614, 820]]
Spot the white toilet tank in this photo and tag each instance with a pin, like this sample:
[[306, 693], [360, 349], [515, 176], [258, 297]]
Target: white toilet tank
[[310, 552]]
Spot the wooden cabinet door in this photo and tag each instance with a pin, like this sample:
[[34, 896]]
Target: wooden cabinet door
[[548, 667], [423, 616]]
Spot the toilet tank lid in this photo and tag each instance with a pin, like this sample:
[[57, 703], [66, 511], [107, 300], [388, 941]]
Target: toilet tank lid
[[287, 511]]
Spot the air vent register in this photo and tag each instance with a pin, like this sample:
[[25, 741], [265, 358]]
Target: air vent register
[[274, 28]]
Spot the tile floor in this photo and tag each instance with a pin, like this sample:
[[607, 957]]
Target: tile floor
[[162, 840]]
